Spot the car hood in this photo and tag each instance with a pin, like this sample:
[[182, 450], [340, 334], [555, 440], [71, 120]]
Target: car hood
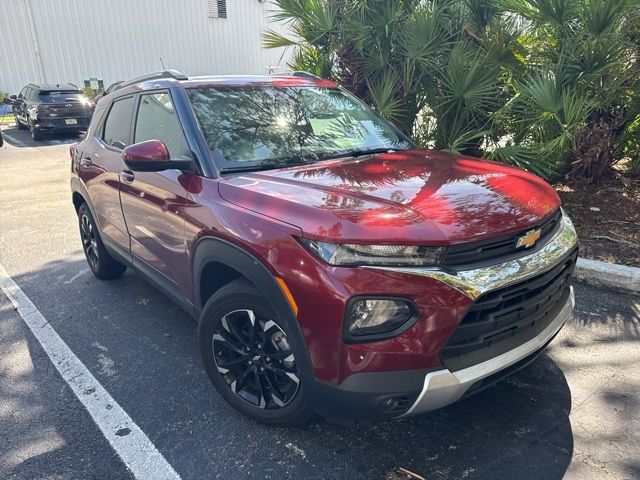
[[416, 197]]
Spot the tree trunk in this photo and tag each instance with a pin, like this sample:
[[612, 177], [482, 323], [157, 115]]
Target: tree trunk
[[594, 156]]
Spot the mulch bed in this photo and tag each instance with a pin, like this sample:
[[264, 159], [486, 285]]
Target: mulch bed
[[607, 218]]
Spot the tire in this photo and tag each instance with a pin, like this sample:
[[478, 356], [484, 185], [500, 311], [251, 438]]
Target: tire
[[103, 265], [19, 124], [36, 135], [269, 390]]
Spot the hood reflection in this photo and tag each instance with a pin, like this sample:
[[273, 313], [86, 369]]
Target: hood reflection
[[427, 194]]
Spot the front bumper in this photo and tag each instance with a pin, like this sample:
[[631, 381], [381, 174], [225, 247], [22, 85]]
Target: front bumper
[[443, 387], [362, 395]]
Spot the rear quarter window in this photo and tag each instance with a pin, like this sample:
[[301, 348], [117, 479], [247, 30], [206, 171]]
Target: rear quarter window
[[117, 126]]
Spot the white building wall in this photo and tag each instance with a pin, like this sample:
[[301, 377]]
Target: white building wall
[[72, 40]]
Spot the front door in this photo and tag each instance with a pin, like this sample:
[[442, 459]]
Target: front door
[[20, 105], [153, 202]]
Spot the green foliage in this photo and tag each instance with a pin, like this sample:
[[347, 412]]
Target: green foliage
[[90, 92], [4, 97], [547, 85]]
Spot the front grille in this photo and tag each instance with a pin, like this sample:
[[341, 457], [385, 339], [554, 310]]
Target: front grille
[[503, 319], [498, 247]]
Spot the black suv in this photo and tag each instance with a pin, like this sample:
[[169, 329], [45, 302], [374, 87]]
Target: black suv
[[52, 108]]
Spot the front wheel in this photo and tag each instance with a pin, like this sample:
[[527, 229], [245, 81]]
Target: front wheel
[[248, 356], [102, 264], [19, 124]]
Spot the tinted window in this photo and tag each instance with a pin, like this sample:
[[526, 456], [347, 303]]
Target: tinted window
[[157, 120], [60, 96], [117, 126]]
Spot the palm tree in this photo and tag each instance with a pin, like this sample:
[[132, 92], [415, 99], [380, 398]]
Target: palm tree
[[548, 85], [573, 98], [401, 57]]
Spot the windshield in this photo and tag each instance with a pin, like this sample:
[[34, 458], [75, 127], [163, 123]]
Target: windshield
[[276, 126], [61, 96]]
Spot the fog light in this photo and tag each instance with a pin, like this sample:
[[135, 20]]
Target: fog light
[[395, 403], [378, 316], [390, 404]]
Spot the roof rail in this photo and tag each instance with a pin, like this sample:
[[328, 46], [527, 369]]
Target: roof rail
[[156, 76], [300, 73]]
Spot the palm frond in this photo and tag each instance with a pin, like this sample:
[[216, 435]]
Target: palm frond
[[524, 157], [273, 39], [600, 16], [384, 96]]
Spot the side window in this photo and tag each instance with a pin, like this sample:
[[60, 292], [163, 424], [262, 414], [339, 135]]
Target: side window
[[117, 126], [34, 95], [157, 120], [23, 93]]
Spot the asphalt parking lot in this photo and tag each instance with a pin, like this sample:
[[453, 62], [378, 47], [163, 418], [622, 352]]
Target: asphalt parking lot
[[574, 413]]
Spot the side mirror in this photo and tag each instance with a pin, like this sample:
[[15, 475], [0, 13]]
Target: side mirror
[[13, 97], [152, 156]]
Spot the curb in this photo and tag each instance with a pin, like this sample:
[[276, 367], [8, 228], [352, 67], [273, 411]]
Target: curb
[[610, 275]]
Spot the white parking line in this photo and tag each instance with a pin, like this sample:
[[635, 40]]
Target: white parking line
[[75, 277], [130, 443]]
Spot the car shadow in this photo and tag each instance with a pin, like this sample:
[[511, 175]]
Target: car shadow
[[519, 428], [22, 138]]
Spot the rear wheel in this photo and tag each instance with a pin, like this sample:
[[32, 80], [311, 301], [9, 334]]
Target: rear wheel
[[248, 356], [36, 134], [102, 264]]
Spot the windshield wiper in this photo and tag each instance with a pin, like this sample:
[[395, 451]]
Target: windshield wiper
[[258, 168], [361, 152]]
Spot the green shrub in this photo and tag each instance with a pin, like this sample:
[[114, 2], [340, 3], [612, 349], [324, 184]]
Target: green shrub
[[90, 92]]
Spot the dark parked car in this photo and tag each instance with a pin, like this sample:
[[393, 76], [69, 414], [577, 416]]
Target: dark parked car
[[333, 267], [52, 109]]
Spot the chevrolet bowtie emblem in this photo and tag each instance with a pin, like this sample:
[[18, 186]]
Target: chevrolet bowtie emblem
[[529, 239]]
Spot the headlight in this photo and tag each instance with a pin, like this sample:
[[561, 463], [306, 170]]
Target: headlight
[[347, 254], [377, 318]]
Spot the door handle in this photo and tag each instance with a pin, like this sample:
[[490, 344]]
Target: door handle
[[86, 162], [127, 176]]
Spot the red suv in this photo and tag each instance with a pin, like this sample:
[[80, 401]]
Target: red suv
[[333, 267]]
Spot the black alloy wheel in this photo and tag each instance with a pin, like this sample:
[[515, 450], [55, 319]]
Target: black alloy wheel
[[250, 354], [253, 355], [101, 263], [36, 134], [89, 241]]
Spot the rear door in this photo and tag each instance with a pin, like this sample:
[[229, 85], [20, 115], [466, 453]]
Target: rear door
[[100, 166], [153, 202]]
